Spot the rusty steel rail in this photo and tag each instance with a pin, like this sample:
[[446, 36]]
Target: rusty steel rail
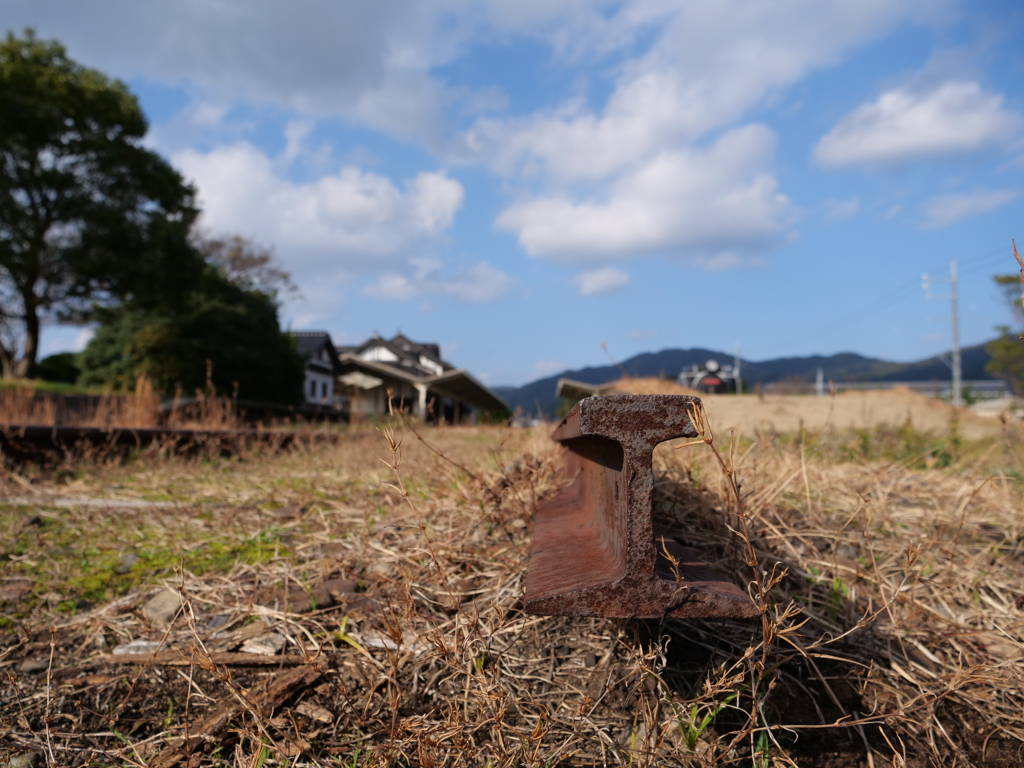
[[595, 549]]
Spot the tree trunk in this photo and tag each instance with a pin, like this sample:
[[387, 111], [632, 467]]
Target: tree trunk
[[26, 366]]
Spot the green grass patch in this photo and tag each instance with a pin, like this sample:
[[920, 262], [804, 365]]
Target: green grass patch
[[53, 387], [87, 562]]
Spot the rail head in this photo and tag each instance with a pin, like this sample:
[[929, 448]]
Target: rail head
[[637, 422]]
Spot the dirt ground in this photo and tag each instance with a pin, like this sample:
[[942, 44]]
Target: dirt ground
[[360, 603], [864, 410], [860, 410]]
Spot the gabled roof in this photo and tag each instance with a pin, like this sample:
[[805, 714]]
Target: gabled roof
[[577, 390], [311, 344], [454, 382], [410, 355]]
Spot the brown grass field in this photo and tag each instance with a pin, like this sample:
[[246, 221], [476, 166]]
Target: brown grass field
[[359, 603]]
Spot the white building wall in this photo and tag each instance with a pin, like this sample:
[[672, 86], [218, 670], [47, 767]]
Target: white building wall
[[379, 354], [318, 388]]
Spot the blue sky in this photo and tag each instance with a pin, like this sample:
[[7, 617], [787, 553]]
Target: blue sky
[[524, 181]]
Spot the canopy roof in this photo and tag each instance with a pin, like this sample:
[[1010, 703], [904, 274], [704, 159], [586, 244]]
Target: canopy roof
[[457, 382]]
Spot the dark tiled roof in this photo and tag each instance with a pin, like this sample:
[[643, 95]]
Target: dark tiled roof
[[408, 353], [309, 345]]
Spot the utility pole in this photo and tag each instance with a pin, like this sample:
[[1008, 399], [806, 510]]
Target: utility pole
[[736, 371], [819, 383], [956, 395], [954, 279]]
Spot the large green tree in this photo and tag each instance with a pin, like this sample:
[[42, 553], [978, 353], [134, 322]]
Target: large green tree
[[1006, 354], [228, 318], [88, 215]]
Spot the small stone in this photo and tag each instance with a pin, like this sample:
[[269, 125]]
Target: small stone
[[333, 549], [136, 648], [338, 590], [13, 589], [847, 551], [379, 568], [590, 661], [269, 644], [289, 512], [83, 605], [563, 650], [128, 561], [34, 665], [999, 646], [216, 622], [163, 607], [315, 712], [25, 760], [462, 587]]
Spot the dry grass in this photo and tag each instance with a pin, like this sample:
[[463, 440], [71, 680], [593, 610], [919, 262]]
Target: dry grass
[[892, 632], [22, 405], [631, 385], [851, 409]]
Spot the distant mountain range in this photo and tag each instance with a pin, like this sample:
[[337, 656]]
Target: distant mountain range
[[540, 395]]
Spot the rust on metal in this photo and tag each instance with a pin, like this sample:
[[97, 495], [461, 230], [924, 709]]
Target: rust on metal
[[595, 549]]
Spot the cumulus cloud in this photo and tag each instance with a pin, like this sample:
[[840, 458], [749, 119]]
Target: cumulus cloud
[[943, 210], [652, 187], [65, 338], [602, 280], [687, 202], [377, 62], [642, 334], [836, 210], [347, 222], [709, 65], [547, 367], [683, 72], [481, 283], [904, 125], [366, 61]]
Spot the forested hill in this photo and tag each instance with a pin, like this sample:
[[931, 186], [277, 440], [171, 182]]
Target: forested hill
[[846, 366]]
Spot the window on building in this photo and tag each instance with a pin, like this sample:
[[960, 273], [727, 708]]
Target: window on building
[[323, 389], [312, 389]]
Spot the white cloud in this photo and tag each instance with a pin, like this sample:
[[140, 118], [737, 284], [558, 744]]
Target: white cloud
[[602, 280], [687, 202], [709, 65], [682, 71], [904, 124], [65, 338], [631, 177], [481, 283], [368, 61], [377, 62], [837, 210], [547, 367], [82, 338], [943, 210], [344, 222]]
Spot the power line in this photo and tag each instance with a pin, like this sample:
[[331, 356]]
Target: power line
[[954, 316], [978, 263]]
